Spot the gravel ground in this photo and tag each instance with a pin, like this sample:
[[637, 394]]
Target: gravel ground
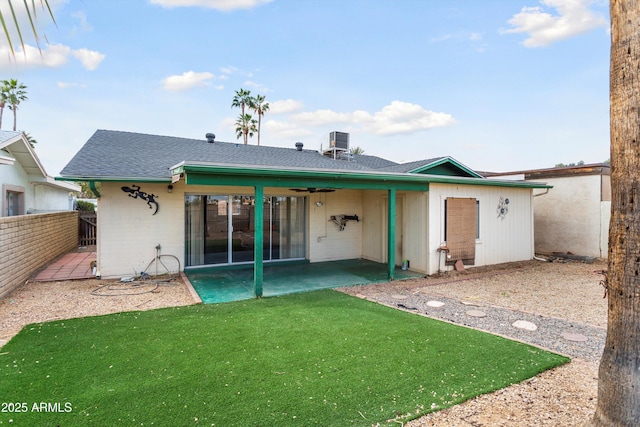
[[556, 297]]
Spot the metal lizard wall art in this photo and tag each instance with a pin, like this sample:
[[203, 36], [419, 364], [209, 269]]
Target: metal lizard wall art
[[135, 192]]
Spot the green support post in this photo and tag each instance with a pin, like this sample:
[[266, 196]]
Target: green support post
[[391, 232], [258, 267]]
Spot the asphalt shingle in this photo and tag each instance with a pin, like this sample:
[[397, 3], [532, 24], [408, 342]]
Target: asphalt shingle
[[118, 154]]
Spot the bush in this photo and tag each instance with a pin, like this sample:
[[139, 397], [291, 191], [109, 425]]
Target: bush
[[84, 206]]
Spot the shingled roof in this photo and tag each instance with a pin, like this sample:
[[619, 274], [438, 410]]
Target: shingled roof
[[116, 154]]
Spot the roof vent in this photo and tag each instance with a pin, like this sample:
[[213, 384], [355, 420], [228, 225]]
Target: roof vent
[[299, 146], [211, 138]]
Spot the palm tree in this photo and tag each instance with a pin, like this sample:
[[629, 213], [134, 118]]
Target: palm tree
[[31, 139], [357, 150], [242, 99], [245, 127], [15, 93], [4, 96], [618, 376], [13, 19], [260, 107]]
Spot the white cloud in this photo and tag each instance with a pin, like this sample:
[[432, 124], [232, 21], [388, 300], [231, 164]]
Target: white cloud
[[574, 17], [51, 56], [396, 118], [83, 24], [224, 5], [256, 86], [89, 58], [187, 80], [284, 106], [322, 117], [278, 130], [66, 85]]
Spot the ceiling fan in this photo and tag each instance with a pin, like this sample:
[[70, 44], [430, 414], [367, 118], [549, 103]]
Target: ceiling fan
[[313, 190]]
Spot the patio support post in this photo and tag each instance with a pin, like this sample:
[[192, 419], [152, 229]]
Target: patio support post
[[391, 231], [258, 241]]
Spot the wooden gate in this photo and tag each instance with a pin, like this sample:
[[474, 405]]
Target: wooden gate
[[87, 227]]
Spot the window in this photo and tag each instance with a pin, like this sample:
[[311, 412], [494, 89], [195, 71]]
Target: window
[[12, 200]]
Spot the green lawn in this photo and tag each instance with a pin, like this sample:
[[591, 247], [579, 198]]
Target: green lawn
[[318, 358]]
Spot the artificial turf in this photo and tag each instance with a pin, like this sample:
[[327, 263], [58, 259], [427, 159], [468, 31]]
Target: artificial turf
[[318, 358]]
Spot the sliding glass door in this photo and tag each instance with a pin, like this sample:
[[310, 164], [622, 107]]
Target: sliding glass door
[[219, 229]]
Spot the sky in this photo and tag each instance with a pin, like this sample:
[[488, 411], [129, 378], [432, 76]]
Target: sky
[[499, 85]]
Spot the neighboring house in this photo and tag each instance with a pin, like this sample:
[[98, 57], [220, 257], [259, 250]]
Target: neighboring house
[[574, 215], [26, 186], [196, 199]]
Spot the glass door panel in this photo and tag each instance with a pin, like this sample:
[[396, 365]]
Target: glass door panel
[[216, 248], [242, 231], [288, 240], [194, 230], [221, 229]]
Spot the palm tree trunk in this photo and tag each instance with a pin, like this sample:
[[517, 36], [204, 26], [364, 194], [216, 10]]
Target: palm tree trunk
[[259, 121], [619, 374], [15, 117]]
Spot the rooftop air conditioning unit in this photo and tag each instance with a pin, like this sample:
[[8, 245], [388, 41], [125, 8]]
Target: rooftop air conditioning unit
[[339, 140]]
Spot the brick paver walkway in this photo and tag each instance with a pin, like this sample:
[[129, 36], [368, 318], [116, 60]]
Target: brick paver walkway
[[74, 265]]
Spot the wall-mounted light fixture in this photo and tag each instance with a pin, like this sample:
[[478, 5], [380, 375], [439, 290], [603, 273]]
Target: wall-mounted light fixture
[[319, 204], [170, 188]]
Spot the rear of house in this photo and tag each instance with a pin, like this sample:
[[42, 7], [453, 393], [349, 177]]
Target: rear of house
[[224, 204]]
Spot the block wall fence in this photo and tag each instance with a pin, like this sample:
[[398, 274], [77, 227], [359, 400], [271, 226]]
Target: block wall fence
[[29, 242]]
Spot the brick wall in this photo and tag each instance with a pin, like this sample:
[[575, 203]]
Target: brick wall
[[29, 242]]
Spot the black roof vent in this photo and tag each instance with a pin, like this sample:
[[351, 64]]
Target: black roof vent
[[211, 138], [299, 146]]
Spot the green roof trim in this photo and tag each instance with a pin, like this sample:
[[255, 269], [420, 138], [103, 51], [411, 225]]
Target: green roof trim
[[446, 166], [210, 174]]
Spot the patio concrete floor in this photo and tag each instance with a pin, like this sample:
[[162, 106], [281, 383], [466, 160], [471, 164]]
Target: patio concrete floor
[[233, 283]]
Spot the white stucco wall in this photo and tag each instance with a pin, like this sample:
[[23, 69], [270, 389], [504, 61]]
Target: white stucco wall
[[38, 197], [501, 240], [326, 241], [47, 198], [129, 233], [570, 217]]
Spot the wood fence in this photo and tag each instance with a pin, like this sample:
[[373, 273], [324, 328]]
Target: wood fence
[[87, 227]]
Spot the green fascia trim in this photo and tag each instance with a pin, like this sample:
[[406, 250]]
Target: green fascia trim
[[438, 179], [226, 175], [293, 182], [148, 180], [451, 161]]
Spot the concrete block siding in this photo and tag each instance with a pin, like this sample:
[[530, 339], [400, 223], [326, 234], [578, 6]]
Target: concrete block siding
[[28, 242]]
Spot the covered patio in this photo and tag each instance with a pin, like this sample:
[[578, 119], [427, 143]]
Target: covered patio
[[233, 283]]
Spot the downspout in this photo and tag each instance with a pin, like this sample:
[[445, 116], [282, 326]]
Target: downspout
[[92, 186], [536, 195]]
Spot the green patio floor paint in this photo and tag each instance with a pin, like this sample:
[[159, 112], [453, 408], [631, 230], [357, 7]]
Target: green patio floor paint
[[219, 284]]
